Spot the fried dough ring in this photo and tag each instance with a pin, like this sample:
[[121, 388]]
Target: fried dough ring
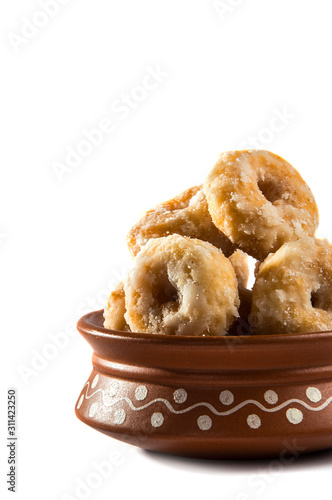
[[259, 201], [115, 310], [293, 289], [187, 214], [181, 286]]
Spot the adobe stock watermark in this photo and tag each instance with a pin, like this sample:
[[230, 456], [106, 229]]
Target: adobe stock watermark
[[280, 120], [56, 342], [101, 471], [259, 482], [224, 7], [121, 108], [30, 28]]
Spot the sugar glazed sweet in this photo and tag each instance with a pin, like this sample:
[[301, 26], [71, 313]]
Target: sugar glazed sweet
[[190, 270], [180, 286]]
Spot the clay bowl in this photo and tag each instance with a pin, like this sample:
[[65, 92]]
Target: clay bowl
[[217, 397]]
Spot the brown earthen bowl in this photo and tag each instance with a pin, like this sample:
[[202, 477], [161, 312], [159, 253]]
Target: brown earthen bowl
[[209, 397]]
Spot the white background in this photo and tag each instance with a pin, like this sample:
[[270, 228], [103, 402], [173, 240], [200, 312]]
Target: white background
[[227, 74]]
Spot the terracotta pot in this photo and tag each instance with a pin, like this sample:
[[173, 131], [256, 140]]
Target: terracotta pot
[[215, 397]]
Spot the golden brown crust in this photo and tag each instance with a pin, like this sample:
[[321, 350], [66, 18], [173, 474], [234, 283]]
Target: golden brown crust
[[239, 261], [187, 214], [259, 201]]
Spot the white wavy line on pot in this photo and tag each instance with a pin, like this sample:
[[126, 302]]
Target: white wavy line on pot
[[208, 405], [216, 412], [95, 392]]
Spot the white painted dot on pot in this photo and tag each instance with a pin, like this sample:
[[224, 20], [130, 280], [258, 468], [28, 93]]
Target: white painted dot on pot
[[254, 421], [226, 397], [294, 415], [157, 419], [119, 416], [141, 393], [92, 410], [180, 396], [80, 401], [314, 394], [204, 422], [95, 381], [113, 389], [271, 397]]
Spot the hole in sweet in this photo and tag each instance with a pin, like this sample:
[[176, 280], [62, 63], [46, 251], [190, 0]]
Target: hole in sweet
[[321, 299], [166, 292], [315, 299], [270, 189]]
